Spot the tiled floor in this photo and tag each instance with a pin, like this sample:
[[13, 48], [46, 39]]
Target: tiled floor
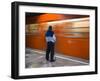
[[36, 58]]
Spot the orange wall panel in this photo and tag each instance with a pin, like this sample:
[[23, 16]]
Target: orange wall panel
[[73, 47]]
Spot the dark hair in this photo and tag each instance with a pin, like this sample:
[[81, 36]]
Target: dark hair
[[50, 28]]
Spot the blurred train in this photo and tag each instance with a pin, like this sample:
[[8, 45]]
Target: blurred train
[[72, 33]]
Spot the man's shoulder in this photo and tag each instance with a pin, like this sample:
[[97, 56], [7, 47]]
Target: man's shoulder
[[50, 31]]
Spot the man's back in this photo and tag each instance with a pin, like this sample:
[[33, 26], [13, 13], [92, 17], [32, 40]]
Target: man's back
[[50, 37]]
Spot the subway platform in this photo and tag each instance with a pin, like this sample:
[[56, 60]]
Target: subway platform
[[36, 59]]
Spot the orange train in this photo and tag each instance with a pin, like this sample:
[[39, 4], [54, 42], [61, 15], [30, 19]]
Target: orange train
[[72, 36]]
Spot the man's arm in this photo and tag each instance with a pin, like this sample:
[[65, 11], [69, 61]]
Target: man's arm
[[54, 37]]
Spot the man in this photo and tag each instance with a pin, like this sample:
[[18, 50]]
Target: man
[[50, 39]]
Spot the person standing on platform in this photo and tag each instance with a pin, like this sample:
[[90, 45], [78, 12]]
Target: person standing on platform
[[50, 39]]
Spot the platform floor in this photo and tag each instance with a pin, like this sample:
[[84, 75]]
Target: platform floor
[[36, 59]]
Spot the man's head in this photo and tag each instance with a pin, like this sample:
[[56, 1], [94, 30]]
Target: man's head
[[50, 28]]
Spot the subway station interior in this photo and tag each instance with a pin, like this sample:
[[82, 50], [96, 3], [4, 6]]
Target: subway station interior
[[72, 39]]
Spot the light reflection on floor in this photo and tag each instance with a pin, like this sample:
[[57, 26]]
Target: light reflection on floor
[[36, 59]]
